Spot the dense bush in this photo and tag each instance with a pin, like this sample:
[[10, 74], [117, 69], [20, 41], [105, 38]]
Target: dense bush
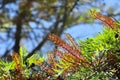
[[95, 58]]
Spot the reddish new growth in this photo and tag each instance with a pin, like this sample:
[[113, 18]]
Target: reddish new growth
[[75, 53], [63, 56], [108, 21], [51, 60]]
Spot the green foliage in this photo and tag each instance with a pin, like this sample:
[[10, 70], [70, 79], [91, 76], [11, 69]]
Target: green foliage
[[98, 49], [62, 66], [8, 69], [101, 53], [87, 74], [100, 44], [35, 59], [5, 68]]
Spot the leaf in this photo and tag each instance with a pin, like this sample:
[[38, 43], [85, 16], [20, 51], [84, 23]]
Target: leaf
[[36, 59]]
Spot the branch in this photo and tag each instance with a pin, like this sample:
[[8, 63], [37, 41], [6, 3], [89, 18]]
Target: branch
[[44, 39], [112, 15], [17, 37], [37, 48], [4, 2], [55, 30], [18, 32]]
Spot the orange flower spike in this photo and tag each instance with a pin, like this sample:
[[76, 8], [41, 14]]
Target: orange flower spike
[[58, 41], [16, 59], [59, 53], [51, 59], [109, 22], [70, 38]]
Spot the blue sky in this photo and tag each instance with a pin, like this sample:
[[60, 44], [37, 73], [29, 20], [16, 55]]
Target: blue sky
[[83, 31], [80, 31], [89, 30]]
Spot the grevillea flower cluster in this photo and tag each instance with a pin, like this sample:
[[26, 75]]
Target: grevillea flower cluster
[[108, 21], [70, 49]]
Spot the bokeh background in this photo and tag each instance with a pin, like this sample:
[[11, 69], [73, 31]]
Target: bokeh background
[[27, 23]]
